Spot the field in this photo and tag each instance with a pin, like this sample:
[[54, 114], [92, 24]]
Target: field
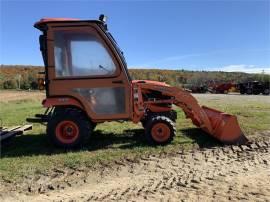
[[118, 164]]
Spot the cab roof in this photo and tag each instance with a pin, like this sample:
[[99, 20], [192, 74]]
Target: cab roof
[[44, 21]]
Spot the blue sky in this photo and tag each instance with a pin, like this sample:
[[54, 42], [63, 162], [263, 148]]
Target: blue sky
[[194, 35]]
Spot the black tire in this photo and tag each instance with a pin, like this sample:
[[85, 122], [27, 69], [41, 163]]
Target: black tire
[[172, 115], [143, 122], [67, 121], [256, 92], [165, 128], [249, 91], [266, 92], [94, 125], [242, 92]]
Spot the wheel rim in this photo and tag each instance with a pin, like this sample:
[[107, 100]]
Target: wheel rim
[[67, 132], [160, 132]]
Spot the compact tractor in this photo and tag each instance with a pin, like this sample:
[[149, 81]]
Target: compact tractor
[[87, 82]]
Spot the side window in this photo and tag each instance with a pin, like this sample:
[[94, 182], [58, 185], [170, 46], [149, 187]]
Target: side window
[[80, 53]]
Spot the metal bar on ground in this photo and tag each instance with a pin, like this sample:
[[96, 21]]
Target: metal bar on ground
[[11, 132]]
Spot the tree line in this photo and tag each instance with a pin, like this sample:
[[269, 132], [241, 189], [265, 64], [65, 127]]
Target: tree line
[[25, 77]]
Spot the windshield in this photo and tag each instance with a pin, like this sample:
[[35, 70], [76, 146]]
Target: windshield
[[79, 53], [121, 53]]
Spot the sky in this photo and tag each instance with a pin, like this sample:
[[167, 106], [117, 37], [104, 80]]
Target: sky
[[192, 35]]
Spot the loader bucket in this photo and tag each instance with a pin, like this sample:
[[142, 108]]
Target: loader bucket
[[225, 127]]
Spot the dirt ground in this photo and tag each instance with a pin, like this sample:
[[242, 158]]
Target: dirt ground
[[207, 174], [12, 95]]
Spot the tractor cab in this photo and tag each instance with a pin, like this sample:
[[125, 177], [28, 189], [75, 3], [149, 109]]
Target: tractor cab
[[84, 65]]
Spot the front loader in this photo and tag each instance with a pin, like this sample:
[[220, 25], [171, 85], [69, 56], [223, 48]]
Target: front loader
[[87, 82]]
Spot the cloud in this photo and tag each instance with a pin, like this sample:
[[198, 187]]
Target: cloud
[[167, 59], [162, 63], [227, 68], [244, 68]]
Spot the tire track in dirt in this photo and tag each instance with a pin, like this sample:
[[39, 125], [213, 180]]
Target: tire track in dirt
[[224, 173]]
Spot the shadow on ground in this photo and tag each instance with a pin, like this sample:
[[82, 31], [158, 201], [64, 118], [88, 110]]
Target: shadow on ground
[[38, 144], [201, 138]]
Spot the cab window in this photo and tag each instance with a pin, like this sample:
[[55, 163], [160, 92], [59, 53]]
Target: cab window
[[81, 53]]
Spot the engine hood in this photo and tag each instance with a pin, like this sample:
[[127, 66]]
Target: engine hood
[[157, 83]]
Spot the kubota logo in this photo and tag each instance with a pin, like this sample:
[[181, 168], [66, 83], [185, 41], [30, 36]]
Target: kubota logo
[[63, 99]]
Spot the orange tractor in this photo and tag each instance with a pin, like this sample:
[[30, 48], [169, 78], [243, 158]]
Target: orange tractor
[[87, 82]]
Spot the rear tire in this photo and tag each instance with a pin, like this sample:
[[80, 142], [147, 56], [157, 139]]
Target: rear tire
[[266, 92], [69, 128], [143, 122], [160, 130]]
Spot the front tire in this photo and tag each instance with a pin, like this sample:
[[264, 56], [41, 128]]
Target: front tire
[[69, 128], [160, 130]]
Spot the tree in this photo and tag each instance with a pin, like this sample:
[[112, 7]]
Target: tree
[[9, 84], [34, 85], [18, 79]]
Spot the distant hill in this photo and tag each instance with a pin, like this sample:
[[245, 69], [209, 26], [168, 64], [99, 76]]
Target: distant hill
[[11, 76], [178, 77]]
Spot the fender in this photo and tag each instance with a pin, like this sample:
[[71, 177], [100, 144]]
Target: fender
[[61, 101]]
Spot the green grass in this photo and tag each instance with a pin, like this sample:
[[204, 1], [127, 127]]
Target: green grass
[[32, 154]]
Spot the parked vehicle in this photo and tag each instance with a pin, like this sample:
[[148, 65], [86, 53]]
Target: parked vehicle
[[196, 88], [222, 88], [87, 82], [254, 87]]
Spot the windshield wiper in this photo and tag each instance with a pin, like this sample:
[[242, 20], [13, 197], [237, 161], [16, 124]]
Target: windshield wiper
[[101, 67]]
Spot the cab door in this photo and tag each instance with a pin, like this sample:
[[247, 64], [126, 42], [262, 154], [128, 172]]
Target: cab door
[[84, 64]]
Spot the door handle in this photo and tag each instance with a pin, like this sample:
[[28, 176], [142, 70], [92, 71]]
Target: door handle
[[118, 81]]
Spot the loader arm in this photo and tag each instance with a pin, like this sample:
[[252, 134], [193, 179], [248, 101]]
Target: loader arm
[[220, 125], [191, 108]]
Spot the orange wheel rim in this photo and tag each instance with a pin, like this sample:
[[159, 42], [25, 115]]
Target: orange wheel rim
[[67, 132], [160, 132]]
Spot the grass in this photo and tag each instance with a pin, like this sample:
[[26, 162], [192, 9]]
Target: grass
[[32, 154]]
